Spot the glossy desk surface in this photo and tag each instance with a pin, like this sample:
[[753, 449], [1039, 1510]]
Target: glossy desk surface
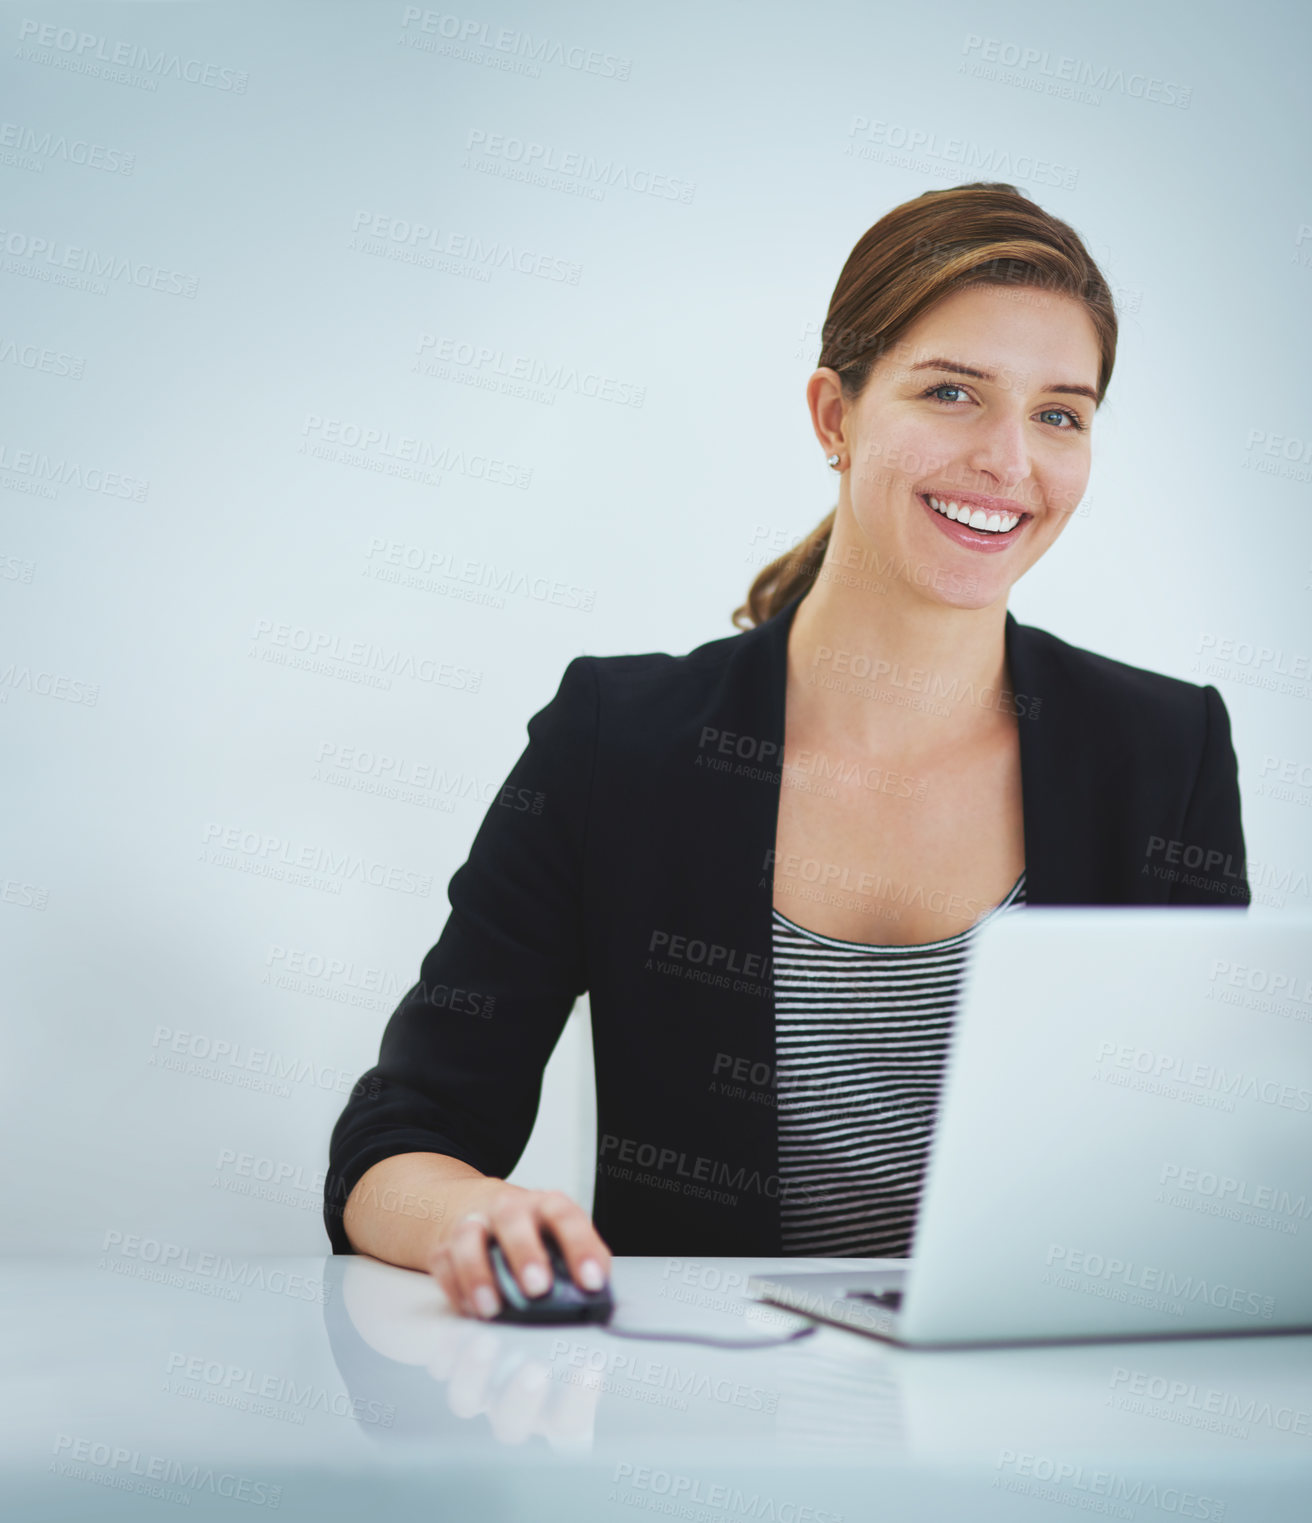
[[341, 1387]]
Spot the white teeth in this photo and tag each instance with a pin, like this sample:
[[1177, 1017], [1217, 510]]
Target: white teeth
[[991, 523]]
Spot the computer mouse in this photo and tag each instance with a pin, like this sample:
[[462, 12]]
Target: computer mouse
[[564, 1302]]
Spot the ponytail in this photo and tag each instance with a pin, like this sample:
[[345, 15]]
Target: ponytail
[[782, 580]]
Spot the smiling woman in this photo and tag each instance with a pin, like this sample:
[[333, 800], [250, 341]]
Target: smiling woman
[[969, 340], [955, 311], [771, 855]]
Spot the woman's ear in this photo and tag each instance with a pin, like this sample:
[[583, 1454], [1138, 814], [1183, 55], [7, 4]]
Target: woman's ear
[[824, 397]]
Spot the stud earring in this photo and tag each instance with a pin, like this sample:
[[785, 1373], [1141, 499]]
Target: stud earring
[[833, 462]]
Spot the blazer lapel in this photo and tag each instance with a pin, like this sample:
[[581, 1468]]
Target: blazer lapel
[[1059, 773]]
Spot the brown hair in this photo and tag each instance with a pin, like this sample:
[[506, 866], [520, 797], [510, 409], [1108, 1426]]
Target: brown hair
[[985, 233]]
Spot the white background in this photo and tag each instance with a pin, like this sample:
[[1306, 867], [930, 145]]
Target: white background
[[786, 129]]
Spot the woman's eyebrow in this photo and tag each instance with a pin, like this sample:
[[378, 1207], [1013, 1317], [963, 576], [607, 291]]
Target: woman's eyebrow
[[955, 367]]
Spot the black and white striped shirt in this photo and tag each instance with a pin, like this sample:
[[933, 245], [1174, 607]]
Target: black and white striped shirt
[[862, 1036]]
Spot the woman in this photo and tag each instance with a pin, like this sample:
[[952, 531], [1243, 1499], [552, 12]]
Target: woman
[[765, 860]]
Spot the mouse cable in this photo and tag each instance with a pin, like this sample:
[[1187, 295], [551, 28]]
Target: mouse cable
[[663, 1337]]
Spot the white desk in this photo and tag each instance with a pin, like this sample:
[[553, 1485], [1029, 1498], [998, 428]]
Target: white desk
[[234, 1389]]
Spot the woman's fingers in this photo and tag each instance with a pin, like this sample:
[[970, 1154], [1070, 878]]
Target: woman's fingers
[[439, 1267], [587, 1255], [517, 1219], [466, 1251], [514, 1225]]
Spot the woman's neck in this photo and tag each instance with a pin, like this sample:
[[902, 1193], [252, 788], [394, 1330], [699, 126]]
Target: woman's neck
[[879, 662]]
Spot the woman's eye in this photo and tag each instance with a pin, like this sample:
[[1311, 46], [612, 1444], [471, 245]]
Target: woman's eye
[[1066, 420], [1060, 412]]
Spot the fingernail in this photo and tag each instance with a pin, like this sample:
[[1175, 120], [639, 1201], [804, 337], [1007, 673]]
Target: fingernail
[[590, 1275], [535, 1280], [485, 1301]]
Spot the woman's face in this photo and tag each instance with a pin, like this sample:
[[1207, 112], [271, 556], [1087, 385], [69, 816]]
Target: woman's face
[[986, 402]]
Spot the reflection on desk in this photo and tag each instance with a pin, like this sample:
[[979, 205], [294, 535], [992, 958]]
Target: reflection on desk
[[342, 1387]]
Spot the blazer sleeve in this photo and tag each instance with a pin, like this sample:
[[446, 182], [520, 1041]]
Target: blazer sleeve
[[1212, 819], [460, 1065]]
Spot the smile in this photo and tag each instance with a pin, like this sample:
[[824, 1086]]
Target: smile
[[962, 513]]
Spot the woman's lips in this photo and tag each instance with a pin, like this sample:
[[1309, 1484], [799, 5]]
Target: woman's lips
[[973, 539]]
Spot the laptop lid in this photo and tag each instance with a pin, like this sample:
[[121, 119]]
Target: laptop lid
[[1124, 1141]]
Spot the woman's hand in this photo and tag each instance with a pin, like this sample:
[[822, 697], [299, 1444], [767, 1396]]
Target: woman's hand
[[515, 1217]]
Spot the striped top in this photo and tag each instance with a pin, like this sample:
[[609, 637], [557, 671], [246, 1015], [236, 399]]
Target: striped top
[[862, 1037]]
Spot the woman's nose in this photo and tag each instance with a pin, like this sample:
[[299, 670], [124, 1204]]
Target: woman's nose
[[1000, 451]]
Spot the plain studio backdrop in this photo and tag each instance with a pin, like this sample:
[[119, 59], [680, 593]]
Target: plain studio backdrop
[[364, 363]]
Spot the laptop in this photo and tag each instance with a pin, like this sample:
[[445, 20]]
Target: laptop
[[1123, 1147]]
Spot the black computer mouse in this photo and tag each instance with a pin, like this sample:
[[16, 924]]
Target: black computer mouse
[[564, 1302]]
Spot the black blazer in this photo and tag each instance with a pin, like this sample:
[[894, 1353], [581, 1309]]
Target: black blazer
[[629, 855]]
